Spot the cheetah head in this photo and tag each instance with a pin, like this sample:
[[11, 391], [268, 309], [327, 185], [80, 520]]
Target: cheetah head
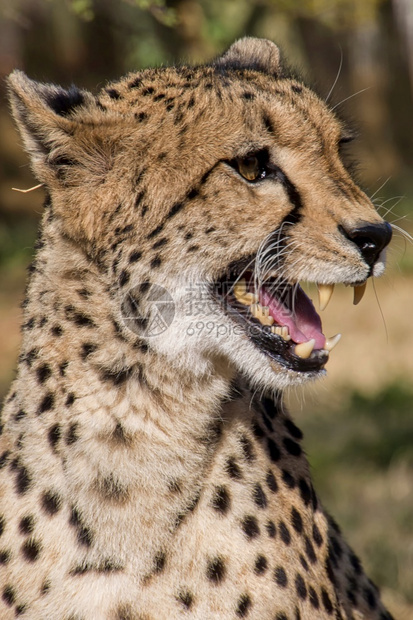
[[221, 185]]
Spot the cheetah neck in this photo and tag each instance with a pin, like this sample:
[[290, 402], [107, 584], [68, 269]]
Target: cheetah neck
[[127, 436]]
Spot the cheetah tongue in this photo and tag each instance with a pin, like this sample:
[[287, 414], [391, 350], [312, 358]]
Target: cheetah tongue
[[302, 321]]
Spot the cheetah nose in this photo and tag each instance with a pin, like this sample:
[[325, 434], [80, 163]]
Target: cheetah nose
[[370, 239]]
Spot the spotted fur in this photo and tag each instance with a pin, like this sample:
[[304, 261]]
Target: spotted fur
[[158, 478]]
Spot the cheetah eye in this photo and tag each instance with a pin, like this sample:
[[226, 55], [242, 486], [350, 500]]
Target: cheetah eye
[[252, 167]]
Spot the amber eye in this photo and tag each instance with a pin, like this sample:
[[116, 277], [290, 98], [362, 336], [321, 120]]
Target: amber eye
[[250, 168]]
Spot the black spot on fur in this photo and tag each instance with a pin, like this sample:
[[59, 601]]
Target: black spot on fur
[[296, 520], [216, 569], [328, 605], [271, 482], [26, 524], [124, 277], [296, 88], [186, 598], [53, 435], [305, 491], [259, 496], [271, 529], [20, 415], [293, 429], [261, 565], [23, 480], [63, 102], [247, 448], [62, 368], [113, 93], [155, 231], [70, 399], [5, 556], [31, 549], [280, 577], [156, 262], [243, 606], [84, 535], [300, 587], [135, 256], [45, 587], [221, 500], [51, 502], [9, 595], [274, 450], [72, 435], [43, 372], [87, 349], [3, 458], [79, 318], [318, 539], [232, 469], [175, 209], [284, 533], [313, 598], [46, 404], [355, 563], [288, 479], [57, 330], [159, 562], [292, 447], [309, 550], [2, 524], [250, 527]]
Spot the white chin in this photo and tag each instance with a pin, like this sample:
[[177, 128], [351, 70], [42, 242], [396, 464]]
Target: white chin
[[379, 267]]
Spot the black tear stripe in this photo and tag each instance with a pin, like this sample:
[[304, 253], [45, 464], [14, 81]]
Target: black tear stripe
[[178, 206], [280, 235]]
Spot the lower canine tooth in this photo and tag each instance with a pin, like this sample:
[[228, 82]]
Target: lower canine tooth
[[359, 293], [331, 342], [305, 349], [324, 294]]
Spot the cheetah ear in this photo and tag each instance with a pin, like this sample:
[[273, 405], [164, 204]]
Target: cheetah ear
[[43, 115], [252, 53]]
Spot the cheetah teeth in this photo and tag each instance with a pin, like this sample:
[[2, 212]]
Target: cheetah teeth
[[359, 293], [241, 294], [325, 292], [262, 313], [281, 331], [304, 349], [331, 342]]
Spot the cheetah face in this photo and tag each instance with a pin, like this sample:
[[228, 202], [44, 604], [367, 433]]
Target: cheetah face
[[223, 185]]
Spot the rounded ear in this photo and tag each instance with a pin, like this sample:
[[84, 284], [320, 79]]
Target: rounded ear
[[252, 53], [43, 116]]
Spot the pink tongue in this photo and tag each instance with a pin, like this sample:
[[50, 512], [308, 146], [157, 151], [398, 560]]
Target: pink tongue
[[304, 324]]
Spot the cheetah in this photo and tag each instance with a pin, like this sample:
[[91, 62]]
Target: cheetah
[[149, 469]]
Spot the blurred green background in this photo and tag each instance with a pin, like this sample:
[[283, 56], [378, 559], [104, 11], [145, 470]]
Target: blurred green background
[[359, 421]]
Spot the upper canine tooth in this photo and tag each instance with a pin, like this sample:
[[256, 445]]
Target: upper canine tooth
[[305, 349], [324, 294], [331, 342], [359, 293]]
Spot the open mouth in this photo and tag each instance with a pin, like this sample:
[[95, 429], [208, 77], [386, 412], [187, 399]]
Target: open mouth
[[280, 318]]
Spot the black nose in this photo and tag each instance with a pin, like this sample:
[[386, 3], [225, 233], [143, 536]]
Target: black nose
[[370, 239]]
